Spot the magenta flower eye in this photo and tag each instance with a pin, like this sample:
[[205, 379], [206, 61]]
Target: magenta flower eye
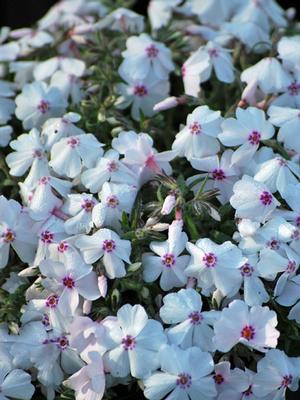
[[73, 142], [43, 106], [266, 198], [184, 381], [112, 166], [195, 128], [47, 237], [196, 318], [68, 282], [9, 236], [286, 381], [254, 138], [152, 51], [210, 259], [62, 342], [52, 301], [88, 205], [62, 247], [246, 270], [248, 332], [213, 53], [168, 260], [218, 378], [294, 89], [112, 201], [128, 342], [108, 246], [218, 174], [140, 90]]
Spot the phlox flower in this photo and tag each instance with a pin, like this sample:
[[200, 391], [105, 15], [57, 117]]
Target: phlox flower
[[269, 74], [199, 66], [108, 168], [228, 381], [247, 130], [214, 12], [221, 174], [183, 375], [79, 207], [276, 373], [37, 102], [5, 135], [289, 123], [69, 281], [122, 20], [14, 382], [168, 264], [199, 137], [9, 51], [143, 55], [190, 325], [288, 293], [69, 84], [107, 245], [215, 266], [133, 342], [46, 69], [254, 327], [253, 200], [288, 47], [291, 95], [89, 381], [160, 12], [141, 94], [70, 154], [114, 200], [15, 232]]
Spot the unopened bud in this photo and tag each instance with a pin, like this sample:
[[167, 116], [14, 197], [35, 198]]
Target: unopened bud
[[169, 204], [87, 307], [102, 285], [249, 95]]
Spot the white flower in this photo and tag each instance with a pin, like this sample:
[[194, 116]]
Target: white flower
[[247, 130], [144, 55], [288, 49], [80, 207], [199, 66], [289, 122], [214, 12], [160, 12], [142, 95], [221, 174], [185, 374], [199, 137], [114, 200], [89, 381], [190, 325], [46, 69], [55, 129], [108, 168], [254, 327], [291, 95], [122, 20], [31, 39], [288, 293], [9, 51], [7, 106], [250, 33], [14, 383], [253, 200], [5, 135], [37, 103], [107, 245], [70, 154], [133, 342], [29, 153], [270, 75], [15, 231], [69, 280], [229, 382], [276, 373], [69, 84], [278, 174], [169, 265], [215, 266]]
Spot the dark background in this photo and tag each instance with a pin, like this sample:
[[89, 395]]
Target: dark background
[[20, 13]]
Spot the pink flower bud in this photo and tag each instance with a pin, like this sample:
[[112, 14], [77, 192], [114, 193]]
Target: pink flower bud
[[249, 94], [166, 104], [169, 204], [102, 285], [87, 307]]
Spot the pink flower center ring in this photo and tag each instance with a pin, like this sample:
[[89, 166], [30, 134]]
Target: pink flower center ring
[[218, 378], [9, 236], [52, 301], [196, 318], [218, 174], [184, 381], [108, 246], [254, 138], [128, 342], [266, 198], [152, 51], [248, 332], [195, 128], [112, 201], [210, 260], [140, 90], [168, 260], [43, 106], [68, 282]]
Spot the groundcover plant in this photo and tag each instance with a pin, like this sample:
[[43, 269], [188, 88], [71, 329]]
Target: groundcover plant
[[150, 202]]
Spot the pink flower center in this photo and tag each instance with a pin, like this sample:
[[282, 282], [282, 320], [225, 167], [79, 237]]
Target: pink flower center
[[52, 301], [266, 198], [168, 260], [62, 342], [287, 380], [184, 381], [128, 342], [88, 205], [273, 244], [9, 236], [294, 89], [38, 154], [195, 318], [218, 174], [254, 138], [213, 53], [210, 259], [62, 247], [281, 161], [45, 322], [291, 267], [108, 245], [43, 106], [73, 142], [112, 166], [246, 270], [44, 180], [140, 90], [47, 237], [195, 128], [218, 378], [248, 332], [152, 51], [296, 234], [248, 392], [112, 201], [68, 282]]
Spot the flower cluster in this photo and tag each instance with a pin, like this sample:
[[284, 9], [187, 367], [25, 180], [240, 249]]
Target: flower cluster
[[150, 242]]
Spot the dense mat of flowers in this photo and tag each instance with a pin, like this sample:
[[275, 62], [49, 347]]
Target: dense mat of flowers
[[150, 207]]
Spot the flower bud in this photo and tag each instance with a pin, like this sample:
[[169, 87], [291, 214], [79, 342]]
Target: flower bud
[[249, 94], [169, 204], [87, 307], [102, 285], [166, 104]]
